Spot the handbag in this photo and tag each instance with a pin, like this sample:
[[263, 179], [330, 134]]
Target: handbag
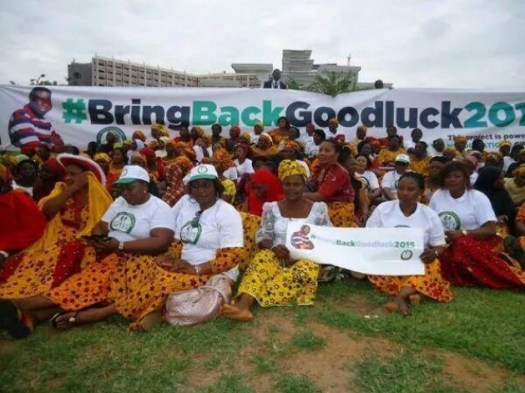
[[197, 305]]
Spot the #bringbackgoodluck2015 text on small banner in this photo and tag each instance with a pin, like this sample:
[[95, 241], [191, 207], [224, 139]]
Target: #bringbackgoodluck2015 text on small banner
[[376, 251]]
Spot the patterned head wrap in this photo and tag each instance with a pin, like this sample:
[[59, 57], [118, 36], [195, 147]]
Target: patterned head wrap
[[22, 157], [223, 158], [333, 122], [160, 129], [505, 143], [259, 124], [102, 157], [290, 168], [126, 142], [5, 174], [246, 137], [184, 162], [292, 145], [460, 139], [138, 134]]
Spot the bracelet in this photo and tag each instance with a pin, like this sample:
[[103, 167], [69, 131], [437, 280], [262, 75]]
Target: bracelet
[[464, 232], [197, 269], [436, 253], [121, 246], [4, 253]]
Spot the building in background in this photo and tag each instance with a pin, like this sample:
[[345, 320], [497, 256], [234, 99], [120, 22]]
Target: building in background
[[297, 65]]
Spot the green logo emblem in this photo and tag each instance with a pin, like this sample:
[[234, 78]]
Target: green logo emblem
[[450, 221], [406, 255], [123, 222]]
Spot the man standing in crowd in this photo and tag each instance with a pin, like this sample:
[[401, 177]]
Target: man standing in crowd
[[275, 82], [28, 128]]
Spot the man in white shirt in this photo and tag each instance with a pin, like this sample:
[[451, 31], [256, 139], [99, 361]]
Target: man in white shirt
[[390, 181]]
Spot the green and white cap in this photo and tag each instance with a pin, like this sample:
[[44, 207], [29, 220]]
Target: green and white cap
[[203, 171], [130, 173]]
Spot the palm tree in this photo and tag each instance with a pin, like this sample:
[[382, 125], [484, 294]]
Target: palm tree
[[333, 83], [294, 85]]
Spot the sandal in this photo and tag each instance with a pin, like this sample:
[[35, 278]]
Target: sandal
[[10, 320], [72, 320]]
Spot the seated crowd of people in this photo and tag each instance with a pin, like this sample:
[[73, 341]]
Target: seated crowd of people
[[117, 228]]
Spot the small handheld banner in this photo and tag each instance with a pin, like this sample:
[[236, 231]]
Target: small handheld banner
[[376, 251]]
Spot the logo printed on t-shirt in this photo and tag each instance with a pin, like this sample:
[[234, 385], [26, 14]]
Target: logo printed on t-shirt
[[190, 233], [123, 222], [450, 221]]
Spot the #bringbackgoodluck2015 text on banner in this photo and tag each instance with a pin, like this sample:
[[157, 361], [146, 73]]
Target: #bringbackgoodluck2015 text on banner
[[377, 251]]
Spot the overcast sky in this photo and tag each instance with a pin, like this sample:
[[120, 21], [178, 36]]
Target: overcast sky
[[411, 43]]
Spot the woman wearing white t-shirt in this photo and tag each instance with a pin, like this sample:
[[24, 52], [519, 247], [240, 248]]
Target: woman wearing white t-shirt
[[208, 231], [242, 162], [408, 212], [367, 177], [470, 227], [135, 227]]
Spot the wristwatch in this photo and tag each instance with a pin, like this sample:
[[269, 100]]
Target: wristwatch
[[197, 269], [464, 232], [121, 246]]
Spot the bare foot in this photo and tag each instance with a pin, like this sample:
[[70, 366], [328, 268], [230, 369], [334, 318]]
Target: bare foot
[[237, 314], [415, 299], [404, 308], [146, 323], [400, 305], [392, 306]]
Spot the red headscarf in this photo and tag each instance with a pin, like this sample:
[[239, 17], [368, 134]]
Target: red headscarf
[[274, 193]]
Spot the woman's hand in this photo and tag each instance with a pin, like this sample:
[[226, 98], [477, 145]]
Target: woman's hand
[[281, 252], [171, 264], [429, 255], [106, 244], [453, 235]]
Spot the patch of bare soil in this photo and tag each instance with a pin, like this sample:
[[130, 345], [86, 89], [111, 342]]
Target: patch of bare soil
[[473, 374], [330, 367]]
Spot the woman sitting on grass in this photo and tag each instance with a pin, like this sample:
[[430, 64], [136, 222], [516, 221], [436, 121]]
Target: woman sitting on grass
[[473, 255], [273, 278], [408, 212], [126, 280]]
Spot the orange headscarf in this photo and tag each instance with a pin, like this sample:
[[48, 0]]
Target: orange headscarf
[[223, 158]]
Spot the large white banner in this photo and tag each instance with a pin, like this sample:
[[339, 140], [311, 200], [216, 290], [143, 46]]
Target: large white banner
[[378, 251], [83, 114]]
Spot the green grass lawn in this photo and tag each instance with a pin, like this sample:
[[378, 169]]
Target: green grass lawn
[[476, 343]]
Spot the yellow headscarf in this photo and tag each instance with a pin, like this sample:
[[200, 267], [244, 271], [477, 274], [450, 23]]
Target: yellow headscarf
[[460, 139], [103, 157], [98, 202], [289, 168]]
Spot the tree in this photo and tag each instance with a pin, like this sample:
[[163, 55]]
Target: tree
[[294, 85], [333, 83]]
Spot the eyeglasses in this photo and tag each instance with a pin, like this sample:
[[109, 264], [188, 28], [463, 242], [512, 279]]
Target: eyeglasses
[[195, 221]]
